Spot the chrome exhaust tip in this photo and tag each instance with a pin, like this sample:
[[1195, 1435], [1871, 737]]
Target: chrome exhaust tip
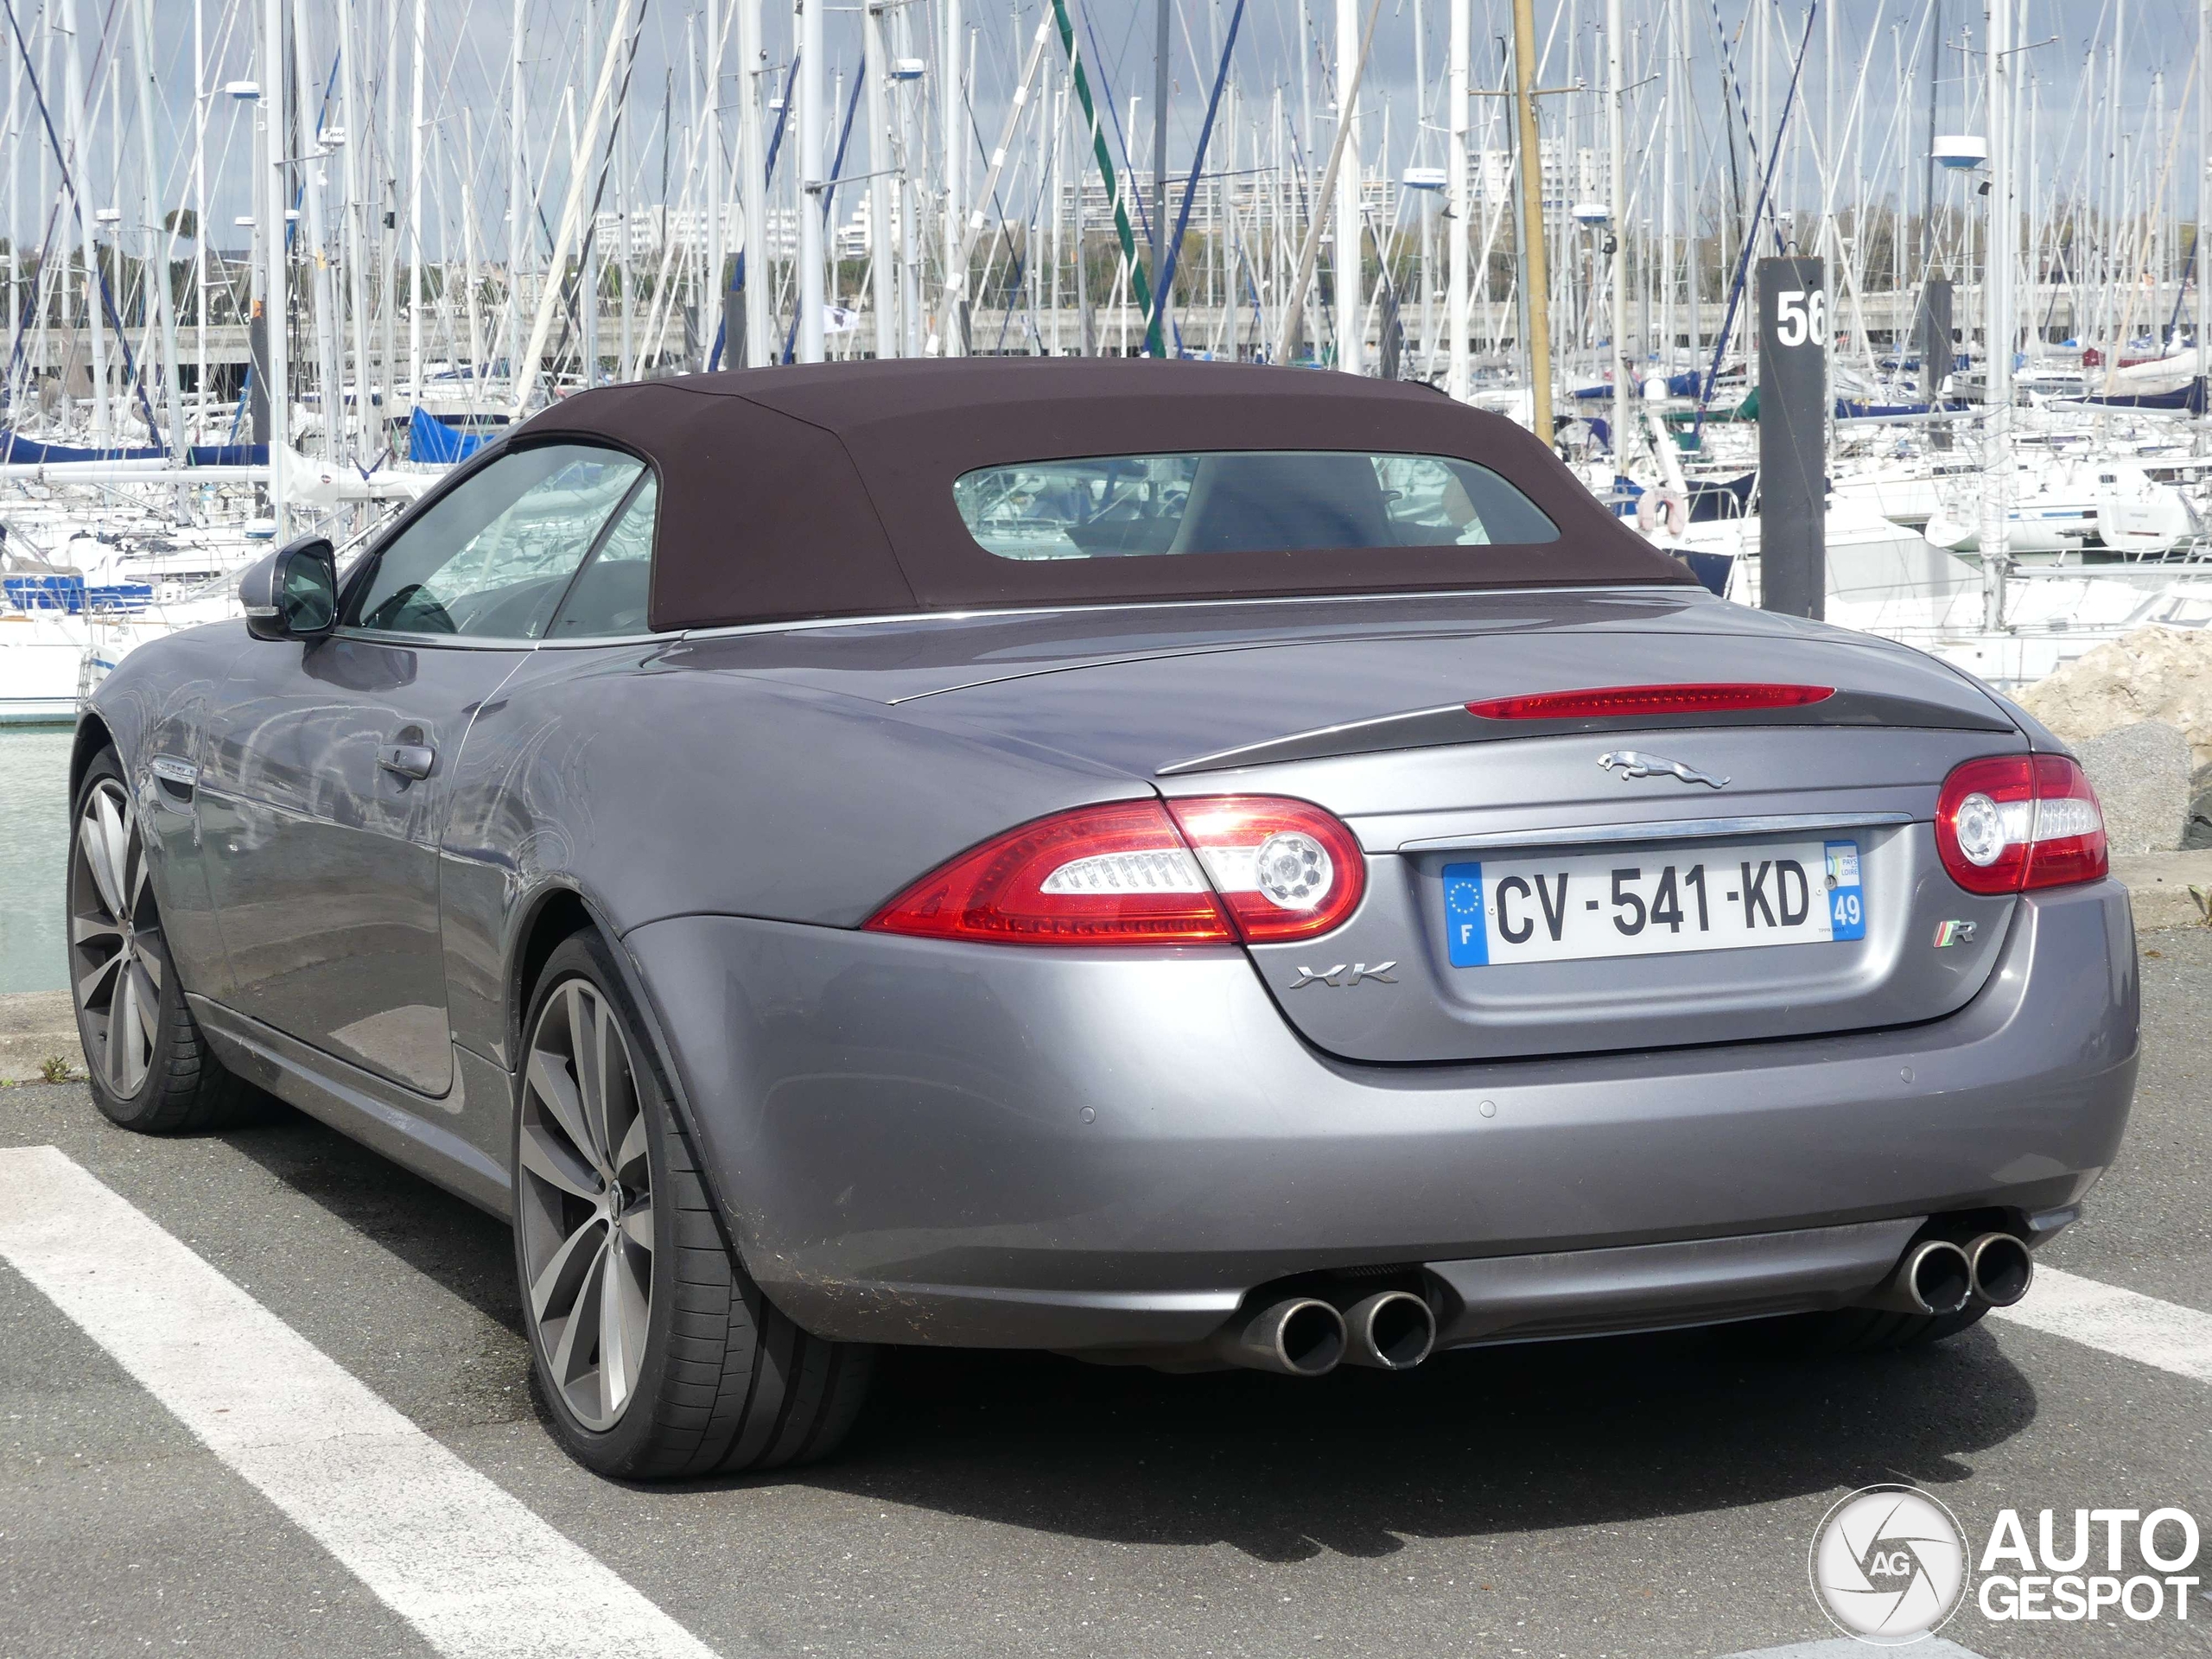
[[1935, 1277], [1300, 1337], [1391, 1331], [2002, 1269]]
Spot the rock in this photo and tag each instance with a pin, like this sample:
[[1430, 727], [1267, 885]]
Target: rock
[[2141, 773], [2154, 673]]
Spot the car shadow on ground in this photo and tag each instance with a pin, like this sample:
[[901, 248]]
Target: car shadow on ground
[[1504, 1440], [443, 1238], [1481, 1441]]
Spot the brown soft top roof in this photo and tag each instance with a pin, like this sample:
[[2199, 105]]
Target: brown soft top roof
[[827, 490]]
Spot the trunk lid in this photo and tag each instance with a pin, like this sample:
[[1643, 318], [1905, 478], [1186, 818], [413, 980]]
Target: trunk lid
[[1376, 729]]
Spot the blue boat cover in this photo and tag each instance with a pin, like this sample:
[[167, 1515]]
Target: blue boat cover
[[69, 593], [28, 452], [430, 439], [2190, 397], [227, 455], [1852, 408]]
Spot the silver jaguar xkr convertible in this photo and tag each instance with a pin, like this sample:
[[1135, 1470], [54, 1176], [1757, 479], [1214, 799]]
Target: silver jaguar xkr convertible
[[1174, 863]]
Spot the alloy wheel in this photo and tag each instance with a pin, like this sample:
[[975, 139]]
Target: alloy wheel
[[585, 1209], [118, 964]]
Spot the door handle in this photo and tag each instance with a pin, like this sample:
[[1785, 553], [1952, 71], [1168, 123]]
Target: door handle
[[412, 760]]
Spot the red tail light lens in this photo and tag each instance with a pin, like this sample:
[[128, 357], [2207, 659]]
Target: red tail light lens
[[1600, 703], [2015, 823], [1220, 868], [1120, 873]]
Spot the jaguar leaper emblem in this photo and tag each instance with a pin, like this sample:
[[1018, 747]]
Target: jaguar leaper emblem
[[1634, 764]]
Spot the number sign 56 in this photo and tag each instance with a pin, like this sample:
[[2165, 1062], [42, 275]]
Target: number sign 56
[[1801, 318]]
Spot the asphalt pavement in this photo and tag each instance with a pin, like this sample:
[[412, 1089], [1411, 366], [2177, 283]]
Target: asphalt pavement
[[1647, 1496]]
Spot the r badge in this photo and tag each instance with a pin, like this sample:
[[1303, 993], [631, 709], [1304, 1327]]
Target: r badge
[[1953, 933]]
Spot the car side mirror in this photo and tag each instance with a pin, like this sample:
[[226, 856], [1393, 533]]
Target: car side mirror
[[293, 594]]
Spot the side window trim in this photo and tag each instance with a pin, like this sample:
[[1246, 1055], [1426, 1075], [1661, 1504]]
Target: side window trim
[[606, 531]]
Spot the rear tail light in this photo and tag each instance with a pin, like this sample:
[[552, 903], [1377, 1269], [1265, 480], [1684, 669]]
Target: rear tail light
[[1286, 870], [2014, 822], [1609, 702], [1211, 870]]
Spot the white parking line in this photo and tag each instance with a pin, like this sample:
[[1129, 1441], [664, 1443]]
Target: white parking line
[[448, 1551], [1845, 1647], [2116, 1321]]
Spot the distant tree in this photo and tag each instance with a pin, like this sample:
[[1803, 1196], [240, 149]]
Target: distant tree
[[182, 221]]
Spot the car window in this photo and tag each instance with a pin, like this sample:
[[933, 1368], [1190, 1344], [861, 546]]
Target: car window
[[491, 557], [609, 597], [1241, 501]]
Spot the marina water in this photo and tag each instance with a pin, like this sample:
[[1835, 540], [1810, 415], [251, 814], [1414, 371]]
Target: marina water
[[34, 848]]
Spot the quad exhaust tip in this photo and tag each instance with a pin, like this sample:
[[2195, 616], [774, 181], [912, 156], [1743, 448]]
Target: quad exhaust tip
[[1301, 1335], [1938, 1276], [1304, 1336], [1935, 1276], [2002, 1269], [1391, 1331]]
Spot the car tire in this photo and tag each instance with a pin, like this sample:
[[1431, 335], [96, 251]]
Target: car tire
[[1861, 1331], [148, 1065], [705, 1377]]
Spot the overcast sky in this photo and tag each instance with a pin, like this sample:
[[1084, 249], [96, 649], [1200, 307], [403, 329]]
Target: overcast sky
[[467, 44]]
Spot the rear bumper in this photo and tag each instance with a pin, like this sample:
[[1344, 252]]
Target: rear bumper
[[979, 1146]]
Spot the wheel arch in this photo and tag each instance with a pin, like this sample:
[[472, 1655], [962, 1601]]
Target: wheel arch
[[93, 736], [558, 912]]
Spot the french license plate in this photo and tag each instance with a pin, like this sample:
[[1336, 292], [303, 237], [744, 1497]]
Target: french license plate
[[1645, 904]]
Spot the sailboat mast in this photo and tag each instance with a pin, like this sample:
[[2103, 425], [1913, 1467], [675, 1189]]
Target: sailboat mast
[[9, 387], [952, 135], [1535, 286], [469, 254], [1459, 49], [1058, 188], [908, 114], [307, 88], [1669, 252], [277, 393], [1997, 321], [355, 106], [811, 128], [1616, 184], [2203, 213], [717, 41], [882, 269], [1345, 258], [387, 186], [518, 189], [79, 139], [415, 219], [752, 183], [153, 241], [1162, 73]]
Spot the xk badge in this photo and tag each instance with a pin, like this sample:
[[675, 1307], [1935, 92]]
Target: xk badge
[[1342, 975]]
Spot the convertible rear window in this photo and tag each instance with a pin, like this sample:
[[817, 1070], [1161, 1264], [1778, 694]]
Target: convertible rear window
[[1241, 501]]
